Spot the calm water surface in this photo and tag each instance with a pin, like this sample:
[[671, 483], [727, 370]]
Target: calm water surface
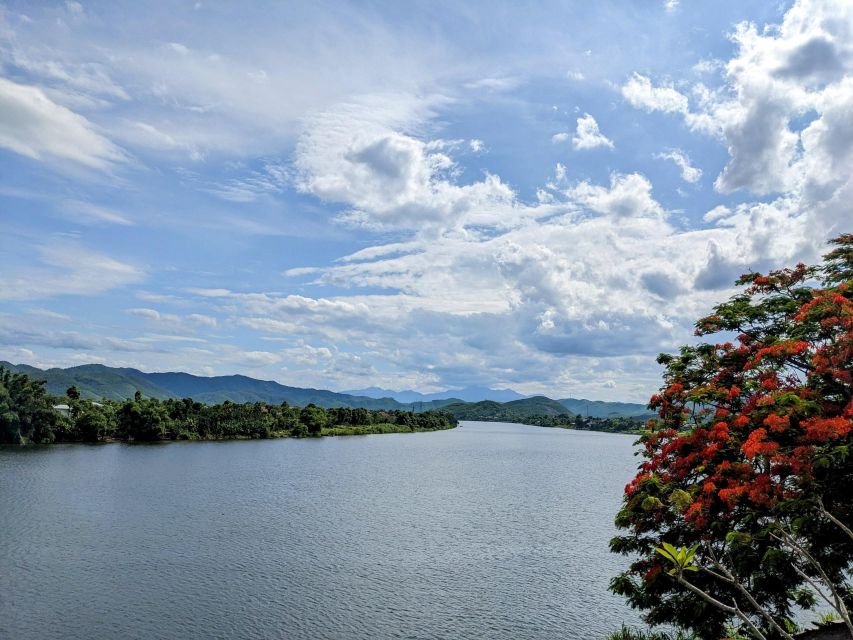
[[486, 531]]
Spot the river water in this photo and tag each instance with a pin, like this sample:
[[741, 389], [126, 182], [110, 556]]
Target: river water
[[486, 531]]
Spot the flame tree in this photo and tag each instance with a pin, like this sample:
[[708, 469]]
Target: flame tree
[[747, 473]]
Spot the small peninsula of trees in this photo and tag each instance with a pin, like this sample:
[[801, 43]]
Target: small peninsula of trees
[[489, 411], [742, 510], [28, 414]]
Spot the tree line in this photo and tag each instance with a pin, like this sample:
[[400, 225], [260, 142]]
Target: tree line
[[618, 424], [28, 415], [497, 412]]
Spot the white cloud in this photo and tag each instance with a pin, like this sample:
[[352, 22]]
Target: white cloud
[[780, 74], [640, 92], [32, 125], [567, 294], [629, 196], [494, 84], [707, 65], [557, 138], [88, 213], [174, 323], [261, 358], [777, 76], [719, 212], [84, 83], [272, 178], [67, 268], [587, 135], [689, 173], [74, 8], [354, 154], [211, 93]]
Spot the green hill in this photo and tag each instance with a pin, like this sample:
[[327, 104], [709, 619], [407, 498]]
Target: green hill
[[600, 409], [515, 411], [537, 405], [96, 381]]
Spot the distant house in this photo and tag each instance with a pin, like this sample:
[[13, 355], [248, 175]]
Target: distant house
[[64, 409]]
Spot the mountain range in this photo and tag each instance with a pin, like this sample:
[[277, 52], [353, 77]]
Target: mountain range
[[467, 394], [97, 381]]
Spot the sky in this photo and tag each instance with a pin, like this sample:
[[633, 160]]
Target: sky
[[540, 196]]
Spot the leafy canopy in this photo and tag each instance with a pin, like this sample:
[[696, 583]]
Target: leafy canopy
[[750, 454]]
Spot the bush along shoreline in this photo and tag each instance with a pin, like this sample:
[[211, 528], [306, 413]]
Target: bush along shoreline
[[29, 415]]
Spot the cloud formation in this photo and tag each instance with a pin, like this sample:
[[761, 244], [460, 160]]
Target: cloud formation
[[689, 173], [67, 268], [587, 135], [369, 203], [355, 154], [33, 125]]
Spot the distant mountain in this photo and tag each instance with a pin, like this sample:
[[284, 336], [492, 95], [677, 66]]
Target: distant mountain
[[96, 381], [468, 394], [601, 409]]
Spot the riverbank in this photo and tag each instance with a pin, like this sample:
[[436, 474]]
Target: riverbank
[[374, 429], [623, 428], [344, 430]]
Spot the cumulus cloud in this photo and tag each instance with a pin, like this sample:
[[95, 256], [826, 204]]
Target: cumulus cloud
[[628, 196], [587, 135], [777, 76], [355, 154], [32, 125], [640, 92], [689, 173]]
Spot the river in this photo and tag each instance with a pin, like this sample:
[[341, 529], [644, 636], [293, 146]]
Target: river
[[489, 530]]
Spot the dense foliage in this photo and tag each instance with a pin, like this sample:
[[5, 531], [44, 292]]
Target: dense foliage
[[26, 410], [27, 414], [743, 505]]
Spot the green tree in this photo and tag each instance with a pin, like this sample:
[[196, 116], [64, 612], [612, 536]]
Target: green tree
[[314, 418], [143, 419], [747, 471], [26, 410], [91, 424]]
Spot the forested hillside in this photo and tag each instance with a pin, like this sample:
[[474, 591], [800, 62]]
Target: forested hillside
[[99, 382]]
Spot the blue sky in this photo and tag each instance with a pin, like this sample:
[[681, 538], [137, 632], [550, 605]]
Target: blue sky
[[431, 195]]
